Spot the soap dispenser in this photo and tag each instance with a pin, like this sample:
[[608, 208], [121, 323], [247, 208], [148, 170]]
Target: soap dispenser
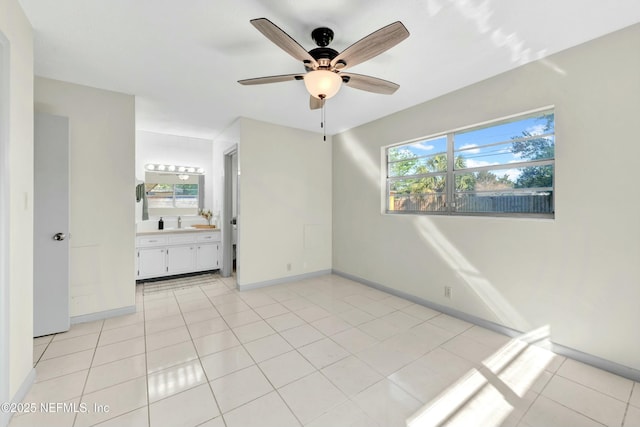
[[161, 224], [179, 222]]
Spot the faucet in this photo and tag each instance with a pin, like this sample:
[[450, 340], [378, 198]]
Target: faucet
[[179, 222]]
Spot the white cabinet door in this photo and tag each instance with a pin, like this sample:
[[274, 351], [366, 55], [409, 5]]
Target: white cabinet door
[[181, 259], [151, 262], [207, 256]]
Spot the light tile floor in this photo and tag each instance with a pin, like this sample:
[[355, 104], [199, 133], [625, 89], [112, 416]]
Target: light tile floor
[[320, 352]]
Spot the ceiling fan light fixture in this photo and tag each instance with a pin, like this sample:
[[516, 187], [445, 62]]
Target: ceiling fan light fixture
[[322, 84]]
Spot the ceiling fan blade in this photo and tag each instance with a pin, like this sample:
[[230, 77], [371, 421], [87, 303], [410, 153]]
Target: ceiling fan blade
[[283, 40], [372, 45], [370, 84], [315, 103], [271, 79]]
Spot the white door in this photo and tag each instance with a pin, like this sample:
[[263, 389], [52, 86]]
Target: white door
[[51, 225]]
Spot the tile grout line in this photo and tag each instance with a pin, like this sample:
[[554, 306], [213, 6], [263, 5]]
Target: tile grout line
[[86, 380], [45, 349], [384, 377], [595, 389], [112, 385], [376, 317], [624, 416], [276, 389], [198, 354], [347, 398], [296, 349], [254, 361], [146, 362], [555, 374]]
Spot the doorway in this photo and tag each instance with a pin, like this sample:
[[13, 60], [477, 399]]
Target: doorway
[[230, 214], [4, 226]]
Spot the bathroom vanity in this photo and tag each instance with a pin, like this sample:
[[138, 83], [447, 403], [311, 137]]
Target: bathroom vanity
[[169, 252]]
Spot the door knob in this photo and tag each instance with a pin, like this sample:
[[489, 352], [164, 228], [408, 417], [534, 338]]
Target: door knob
[[59, 236]]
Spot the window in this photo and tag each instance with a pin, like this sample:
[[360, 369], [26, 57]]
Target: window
[[167, 194], [173, 196], [505, 168]]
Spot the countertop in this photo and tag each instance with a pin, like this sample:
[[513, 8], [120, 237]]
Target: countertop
[[175, 230]]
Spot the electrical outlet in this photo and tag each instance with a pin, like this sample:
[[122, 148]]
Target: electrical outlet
[[447, 292], [288, 266]]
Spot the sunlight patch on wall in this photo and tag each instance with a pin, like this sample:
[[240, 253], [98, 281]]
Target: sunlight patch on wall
[[479, 284], [369, 167]]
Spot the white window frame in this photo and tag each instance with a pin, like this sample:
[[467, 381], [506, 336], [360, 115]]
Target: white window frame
[[450, 173]]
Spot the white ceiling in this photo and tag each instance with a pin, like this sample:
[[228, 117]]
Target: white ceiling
[[182, 58]]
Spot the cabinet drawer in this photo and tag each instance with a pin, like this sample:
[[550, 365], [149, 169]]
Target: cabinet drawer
[[151, 241], [181, 238], [209, 237]]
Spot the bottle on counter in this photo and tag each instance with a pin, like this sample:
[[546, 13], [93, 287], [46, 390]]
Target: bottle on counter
[[161, 224], [179, 222]]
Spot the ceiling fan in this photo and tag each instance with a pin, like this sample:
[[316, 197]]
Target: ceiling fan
[[325, 66]]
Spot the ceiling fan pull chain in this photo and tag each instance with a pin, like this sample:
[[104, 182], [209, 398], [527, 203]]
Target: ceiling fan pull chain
[[323, 119], [324, 128]]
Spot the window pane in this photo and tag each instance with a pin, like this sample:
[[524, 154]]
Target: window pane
[[186, 195], [160, 196], [521, 140], [539, 124], [531, 202], [418, 165], [418, 158], [522, 190], [522, 150], [500, 180], [428, 147], [418, 194]]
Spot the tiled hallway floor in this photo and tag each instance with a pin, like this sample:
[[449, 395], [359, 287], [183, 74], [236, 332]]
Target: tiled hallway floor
[[320, 352]]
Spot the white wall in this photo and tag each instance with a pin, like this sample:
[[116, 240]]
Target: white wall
[[102, 149], [284, 203], [16, 28], [154, 147], [579, 273]]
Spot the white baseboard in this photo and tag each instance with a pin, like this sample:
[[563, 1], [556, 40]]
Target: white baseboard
[[103, 314], [5, 417], [282, 280], [589, 359]]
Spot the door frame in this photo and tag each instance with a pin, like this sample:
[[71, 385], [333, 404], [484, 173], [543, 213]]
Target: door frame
[[4, 224], [227, 214]]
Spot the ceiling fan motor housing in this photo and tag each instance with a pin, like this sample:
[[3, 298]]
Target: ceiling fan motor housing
[[322, 36], [323, 55]]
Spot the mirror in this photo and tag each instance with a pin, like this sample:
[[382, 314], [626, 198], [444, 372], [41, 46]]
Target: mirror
[[170, 195]]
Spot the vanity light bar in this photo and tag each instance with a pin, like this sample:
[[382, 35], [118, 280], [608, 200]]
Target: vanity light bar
[[192, 170]]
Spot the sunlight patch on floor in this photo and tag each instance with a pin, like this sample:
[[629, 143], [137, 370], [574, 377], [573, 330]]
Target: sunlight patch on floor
[[488, 395]]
